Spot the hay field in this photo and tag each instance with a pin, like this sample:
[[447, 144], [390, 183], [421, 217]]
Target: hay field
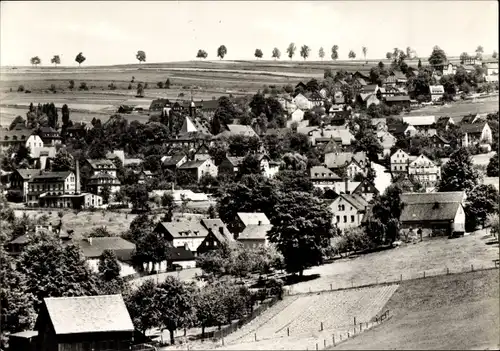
[[440, 253], [455, 312]]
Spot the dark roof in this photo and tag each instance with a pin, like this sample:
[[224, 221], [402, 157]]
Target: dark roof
[[323, 173], [121, 247], [173, 160], [215, 226], [369, 88], [356, 200], [255, 232], [332, 147], [429, 212], [101, 163], [431, 198], [27, 174], [88, 314], [179, 254], [279, 132], [20, 134], [49, 132], [158, 104], [185, 229], [397, 98], [191, 164], [440, 138], [51, 175], [235, 161], [473, 128]]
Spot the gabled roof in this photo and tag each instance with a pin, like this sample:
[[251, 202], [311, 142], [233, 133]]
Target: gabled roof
[[340, 187], [356, 200], [255, 232], [101, 163], [443, 140], [321, 173], [420, 120], [369, 88], [27, 174], [397, 98], [17, 134], [235, 161], [249, 218], [339, 159], [399, 75], [188, 126], [218, 229], [88, 314], [158, 104], [192, 164], [179, 254], [173, 160], [332, 147], [431, 198], [185, 229], [473, 128], [51, 175], [121, 247], [238, 129], [422, 160]]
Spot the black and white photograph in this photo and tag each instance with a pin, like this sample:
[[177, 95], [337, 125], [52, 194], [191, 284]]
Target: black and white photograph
[[249, 175]]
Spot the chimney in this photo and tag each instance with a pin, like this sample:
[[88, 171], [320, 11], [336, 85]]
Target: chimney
[[89, 239], [260, 222], [77, 180]]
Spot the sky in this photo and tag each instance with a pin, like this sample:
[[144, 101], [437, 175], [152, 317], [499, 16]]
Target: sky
[[112, 32]]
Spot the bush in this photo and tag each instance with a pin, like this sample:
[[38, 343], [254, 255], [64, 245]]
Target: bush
[[20, 88], [52, 88], [71, 84], [83, 86], [130, 87], [159, 85], [112, 86], [27, 91], [145, 85]]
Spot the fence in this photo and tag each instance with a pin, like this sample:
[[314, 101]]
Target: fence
[[393, 279], [219, 334]]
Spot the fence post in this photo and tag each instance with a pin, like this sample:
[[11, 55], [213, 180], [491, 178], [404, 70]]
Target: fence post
[[472, 268], [288, 331], [316, 346], [447, 270], [324, 342], [424, 274], [401, 278], [355, 320], [331, 287], [333, 339], [348, 335], [255, 336], [321, 326], [360, 327]]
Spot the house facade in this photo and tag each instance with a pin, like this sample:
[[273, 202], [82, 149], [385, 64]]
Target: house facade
[[198, 169], [424, 170], [93, 249], [50, 183], [476, 133], [19, 180], [387, 140], [348, 211], [183, 233], [436, 92], [322, 177], [302, 102], [400, 161]]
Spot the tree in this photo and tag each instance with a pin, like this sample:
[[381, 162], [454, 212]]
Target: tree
[[291, 50], [304, 51], [302, 228], [209, 308], [464, 57], [494, 224], [419, 66], [80, 58], [409, 52], [276, 53], [321, 53], [352, 54], [62, 162], [56, 60], [175, 302], [365, 50], [258, 53], [482, 200], [458, 174], [141, 56], [52, 270], [201, 54], [138, 195], [142, 307], [140, 90], [108, 266], [221, 51], [438, 58], [494, 55], [492, 168], [388, 55], [250, 165], [18, 120], [479, 52], [167, 83], [335, 52], [105, 193], [35, 61]]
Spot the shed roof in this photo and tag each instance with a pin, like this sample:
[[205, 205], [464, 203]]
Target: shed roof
[[473, 128], [88, 314]]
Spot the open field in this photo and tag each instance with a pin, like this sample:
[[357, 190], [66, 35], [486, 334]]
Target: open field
[[83, 222], [455, 312], [478, 160], [459, 109], [440, 253]]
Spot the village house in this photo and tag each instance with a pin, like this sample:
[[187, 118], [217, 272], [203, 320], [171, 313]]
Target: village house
[[100, 173], [400, 130], [436, 92], [476, 133], [348, 211], [435, 214], [439, 142], [354, 163], [93, 249], [444, 123], [395, 78], [183, 233], [217, 236], [77, 130], [34, 141], [17, 136], [50, 136], [50, 183], [322, 177], [399, 100], [236, 129], [296, 116], [144, 176], [315, 98], [324, 135], [302, 102], [255, 235], [365, 188], [400, 161], [41, 156], [246, 219], [387, 140], [173, 162], [424, 170], [19, 180], [16, 246], [198, 169], [449, 69], [103, 323], [491, 71]]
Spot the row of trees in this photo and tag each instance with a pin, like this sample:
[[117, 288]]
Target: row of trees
[[56, 60]]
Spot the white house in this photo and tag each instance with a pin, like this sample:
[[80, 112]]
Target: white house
[[183, 233], [400, 161], [34, 141], [348, 210], [449, 69], [297, 115], [476, 133], [302, 102], [424, 170], [436, 91], [200, 168], [387, 140], [491, 71]]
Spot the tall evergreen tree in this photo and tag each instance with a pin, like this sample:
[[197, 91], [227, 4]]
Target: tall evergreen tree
[[458, 174]]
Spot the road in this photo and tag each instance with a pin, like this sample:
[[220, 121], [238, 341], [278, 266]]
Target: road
[[382, 179]]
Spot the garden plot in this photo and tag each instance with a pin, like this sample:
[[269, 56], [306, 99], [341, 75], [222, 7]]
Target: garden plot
[[303, 315]]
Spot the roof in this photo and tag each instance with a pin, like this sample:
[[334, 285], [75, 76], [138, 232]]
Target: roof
[[356, 200], [101, 163], [473, 128], [331, 147], [420, 120], [320, 172], [20, 240], [88, 314], [179, 254], [173, 160], [238, 129], [341, 158], [49, 151], [436, 89], [185, 229], [28, 334], [102, 175], [440, 138], [192, 164], [20, 134], [47, 131], [279, 132], [369, 88], [431, 198], [121, 247], [158, 104], [249, 218], [51, 175], [26, 174], [255, 232], [235, 161], [397, 98], [132, 161], [339, 187], [215, 226]]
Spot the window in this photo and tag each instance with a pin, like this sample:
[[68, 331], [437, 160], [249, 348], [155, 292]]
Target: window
[[352, 219], [345, 219], [338, 219]]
